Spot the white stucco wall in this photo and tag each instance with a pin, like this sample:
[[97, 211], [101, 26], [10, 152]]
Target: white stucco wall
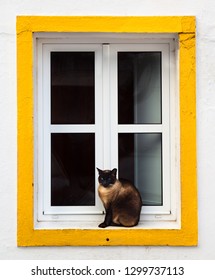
[[204, 10]]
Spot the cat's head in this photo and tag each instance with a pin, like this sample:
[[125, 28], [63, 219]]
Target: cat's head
[[107, 177]]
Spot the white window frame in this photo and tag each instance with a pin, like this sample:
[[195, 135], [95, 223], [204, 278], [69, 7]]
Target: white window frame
[[167, 216]]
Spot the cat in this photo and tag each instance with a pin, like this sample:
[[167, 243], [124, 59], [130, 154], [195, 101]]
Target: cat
[[121, 199]]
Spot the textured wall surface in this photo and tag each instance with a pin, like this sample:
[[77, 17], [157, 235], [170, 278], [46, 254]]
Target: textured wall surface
[[204, 10]]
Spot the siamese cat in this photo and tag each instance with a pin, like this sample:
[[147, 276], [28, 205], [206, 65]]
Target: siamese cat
[[121, 199]]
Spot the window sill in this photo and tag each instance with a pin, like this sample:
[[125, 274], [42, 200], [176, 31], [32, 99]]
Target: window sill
[[55, 225], [145, 234]]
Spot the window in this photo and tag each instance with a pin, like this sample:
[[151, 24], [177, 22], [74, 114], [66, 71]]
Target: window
[[115, 97], [106, 98]]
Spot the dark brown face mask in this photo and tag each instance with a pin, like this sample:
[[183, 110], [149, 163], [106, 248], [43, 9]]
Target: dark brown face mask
[[107, 177]]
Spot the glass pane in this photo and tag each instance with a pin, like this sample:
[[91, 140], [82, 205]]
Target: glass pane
[[139, 87], [72, 88], [140, 160], [72, 169]]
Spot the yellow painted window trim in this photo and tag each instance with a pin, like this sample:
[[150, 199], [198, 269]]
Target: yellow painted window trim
[[187, 235]]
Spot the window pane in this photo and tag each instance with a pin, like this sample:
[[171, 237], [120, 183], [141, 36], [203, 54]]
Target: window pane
[[72, 87], [139, 87], [140, 160], [72, 169]]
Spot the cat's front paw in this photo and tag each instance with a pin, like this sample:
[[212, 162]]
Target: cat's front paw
[[103, 225]]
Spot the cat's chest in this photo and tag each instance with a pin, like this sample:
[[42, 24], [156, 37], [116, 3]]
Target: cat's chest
[[107, 194]]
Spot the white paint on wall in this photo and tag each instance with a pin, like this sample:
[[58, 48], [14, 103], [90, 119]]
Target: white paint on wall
[[204, 10]]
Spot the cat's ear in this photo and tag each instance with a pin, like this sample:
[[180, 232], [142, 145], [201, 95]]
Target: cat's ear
[[114, 171], [99, 170]]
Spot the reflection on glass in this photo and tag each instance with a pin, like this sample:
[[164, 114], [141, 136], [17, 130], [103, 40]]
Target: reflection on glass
[[72, 169], [72, 88], [140, 161], [139, 87]]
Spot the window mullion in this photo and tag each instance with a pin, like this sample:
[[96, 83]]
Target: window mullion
[[106, 106], [113, 106]]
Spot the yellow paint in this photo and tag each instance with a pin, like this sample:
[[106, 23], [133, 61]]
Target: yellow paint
[[26, 234], [106, 24]]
